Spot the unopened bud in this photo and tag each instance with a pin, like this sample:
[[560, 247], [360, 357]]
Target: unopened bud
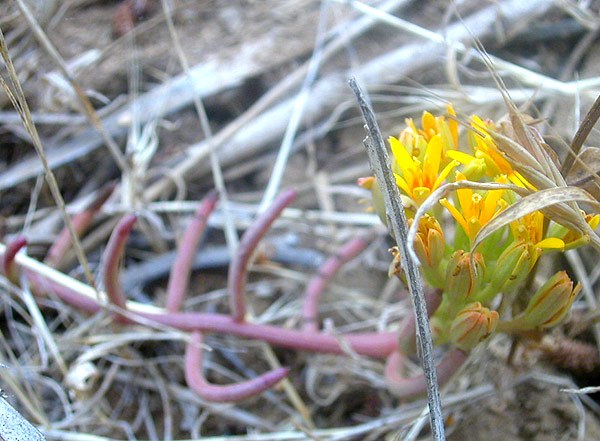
[[472, 325], [475, 170], [429, 242], [513, 266], [550, 303], [464, 276]]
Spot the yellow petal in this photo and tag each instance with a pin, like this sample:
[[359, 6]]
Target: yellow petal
[[551, 243], [429, 124], [444, 174], [461, 157], [403, 158], [431, 163], [400, 182], [455, 213], [453, 124]]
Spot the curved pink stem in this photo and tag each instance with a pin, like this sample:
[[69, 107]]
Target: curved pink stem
[[8, 262], [81, 222], [407, 334], [326, 273], [180, 272], [414, 386], [376, 345], [222, 394], [238, 269], [111, 259]]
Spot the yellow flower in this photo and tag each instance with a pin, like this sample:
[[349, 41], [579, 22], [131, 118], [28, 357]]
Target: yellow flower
[[432, 126], [486, 150], [475, 210], [573, 239], [418, 180], [530, 229]]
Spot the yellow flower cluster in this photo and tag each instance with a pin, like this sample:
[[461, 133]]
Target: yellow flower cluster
[[426, 158]]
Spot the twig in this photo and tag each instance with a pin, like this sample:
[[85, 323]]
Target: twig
[[297, 112], [180, 272], [380, 164], [238, 270], [222, 394]]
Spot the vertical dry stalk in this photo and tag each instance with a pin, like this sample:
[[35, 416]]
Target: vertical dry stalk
[[380, 164]]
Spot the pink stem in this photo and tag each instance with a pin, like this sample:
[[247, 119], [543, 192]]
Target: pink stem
[[8, 263], [81, 222], [376, 345], [238, 270], [408, 332], [180, 272], [111, 260], [316, 286], [414, 386], [222, 394]]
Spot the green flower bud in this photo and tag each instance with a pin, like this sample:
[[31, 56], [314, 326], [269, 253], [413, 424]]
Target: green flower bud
[[550, 303], [472, 325], [513, 266], [429, 242], [475, 170], [463, 277]]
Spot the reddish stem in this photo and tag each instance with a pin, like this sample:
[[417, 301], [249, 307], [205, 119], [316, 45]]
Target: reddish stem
[[414, 386], [111, 260], [180, 272], [81, 222], [407, 334], [316, 286], [8, 262], [376, 345], [238, 269], [222, 394]]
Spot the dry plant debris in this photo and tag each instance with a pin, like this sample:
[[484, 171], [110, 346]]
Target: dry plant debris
[[90, 359]]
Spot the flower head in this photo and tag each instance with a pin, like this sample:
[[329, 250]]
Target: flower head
[[487, 156], [476, 210], [419, 178]]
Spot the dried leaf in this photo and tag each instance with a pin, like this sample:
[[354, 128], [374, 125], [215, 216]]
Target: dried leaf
[[585, 171], [542, 200]]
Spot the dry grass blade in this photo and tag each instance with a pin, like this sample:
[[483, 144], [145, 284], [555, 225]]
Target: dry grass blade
[[536, 161], [18, 99], [543, 200], [582, 133], [380, 163]]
